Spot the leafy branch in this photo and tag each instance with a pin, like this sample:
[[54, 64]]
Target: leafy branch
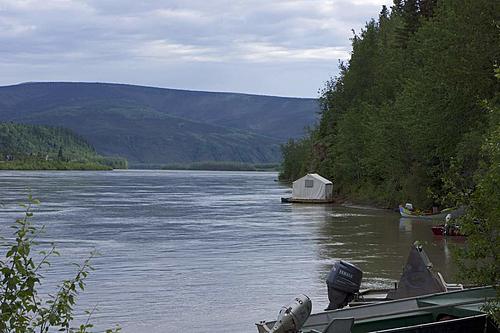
[[21, 308]]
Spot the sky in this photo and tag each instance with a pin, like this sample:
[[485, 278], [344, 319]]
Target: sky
[[269, 47]]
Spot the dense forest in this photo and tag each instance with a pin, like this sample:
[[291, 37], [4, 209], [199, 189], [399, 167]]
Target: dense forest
[[49, 148], [414, 116], [409, 115]]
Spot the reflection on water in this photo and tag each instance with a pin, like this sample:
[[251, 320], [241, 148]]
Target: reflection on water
[[405, 224], [205, 251]]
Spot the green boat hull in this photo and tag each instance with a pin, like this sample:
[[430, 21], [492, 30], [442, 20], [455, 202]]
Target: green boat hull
[[402, 314]]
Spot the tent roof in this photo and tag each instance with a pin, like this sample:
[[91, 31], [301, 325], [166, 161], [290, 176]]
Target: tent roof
[[317, 177]]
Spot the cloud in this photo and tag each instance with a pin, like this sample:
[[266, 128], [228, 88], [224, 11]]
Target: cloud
[[183, 15], [67, 36], [163, 50], [264, 52]]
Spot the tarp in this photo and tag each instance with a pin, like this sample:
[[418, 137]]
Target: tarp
[[312, 187], [418, 277]]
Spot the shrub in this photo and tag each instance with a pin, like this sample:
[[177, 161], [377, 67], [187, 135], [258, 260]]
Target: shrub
[[22, 310]]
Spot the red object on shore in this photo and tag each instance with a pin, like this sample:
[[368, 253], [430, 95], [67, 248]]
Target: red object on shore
[[439, 230]]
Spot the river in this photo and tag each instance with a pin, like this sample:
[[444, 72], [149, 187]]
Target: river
[[195, 251]]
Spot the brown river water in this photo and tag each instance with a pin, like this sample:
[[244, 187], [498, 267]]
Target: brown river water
[[196, 251]]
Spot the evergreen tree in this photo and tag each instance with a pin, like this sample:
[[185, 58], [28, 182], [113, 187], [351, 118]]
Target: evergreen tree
[[427, 7], [60, 156], [401, 117], [414, 115], [44, 147]]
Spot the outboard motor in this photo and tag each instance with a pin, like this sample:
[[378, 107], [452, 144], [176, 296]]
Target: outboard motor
[[293, 316], [343, 283]]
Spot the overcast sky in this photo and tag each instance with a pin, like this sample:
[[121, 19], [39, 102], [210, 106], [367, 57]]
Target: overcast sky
[[272, 47]]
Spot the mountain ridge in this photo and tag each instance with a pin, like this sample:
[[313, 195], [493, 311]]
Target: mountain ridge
[[182, 126], [156, 87]]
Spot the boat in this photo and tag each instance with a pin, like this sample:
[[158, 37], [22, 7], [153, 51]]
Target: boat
[[454, 212], [456, 311], [417, 280], [453, 230]]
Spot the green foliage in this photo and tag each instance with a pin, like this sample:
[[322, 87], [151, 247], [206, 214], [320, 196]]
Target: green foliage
[[60, 155], [221, 166], [21, 308], [406, 111], [414, 116], [296, 160], [38, 164], [34, 147], [112, 162], [479, 260], [42, 141]]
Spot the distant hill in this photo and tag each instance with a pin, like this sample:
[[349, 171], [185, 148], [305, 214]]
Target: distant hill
[[44, 147], [155, 125]]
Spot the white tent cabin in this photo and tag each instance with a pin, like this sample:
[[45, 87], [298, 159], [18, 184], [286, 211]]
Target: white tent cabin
[[311, 188]]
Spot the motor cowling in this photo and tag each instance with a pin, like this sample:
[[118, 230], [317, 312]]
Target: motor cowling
[[343, 283], [293, 316]]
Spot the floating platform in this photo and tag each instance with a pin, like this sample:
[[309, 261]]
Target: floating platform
[[309, 201]]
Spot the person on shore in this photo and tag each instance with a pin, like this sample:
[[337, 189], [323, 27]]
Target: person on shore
[[447, 220]]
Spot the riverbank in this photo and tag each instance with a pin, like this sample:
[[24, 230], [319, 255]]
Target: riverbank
[[34, 165], [222, 166]]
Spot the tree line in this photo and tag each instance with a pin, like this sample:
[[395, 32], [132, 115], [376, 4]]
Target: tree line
[[37, 147], [414, 116], [409, 112]]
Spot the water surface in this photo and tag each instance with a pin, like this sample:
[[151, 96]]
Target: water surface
[[197, 251]]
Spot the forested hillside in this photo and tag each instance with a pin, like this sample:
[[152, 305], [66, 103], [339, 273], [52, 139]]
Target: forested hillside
[[163, 126], [43, 147], [411, 113]]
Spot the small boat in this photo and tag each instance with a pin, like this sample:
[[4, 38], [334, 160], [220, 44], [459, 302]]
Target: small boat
[[453, 230], [440, 312], [368, 310], [454, 212]]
